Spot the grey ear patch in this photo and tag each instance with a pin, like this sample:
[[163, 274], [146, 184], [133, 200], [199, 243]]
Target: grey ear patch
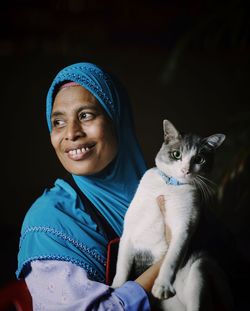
[[215, 140], [170, 132]]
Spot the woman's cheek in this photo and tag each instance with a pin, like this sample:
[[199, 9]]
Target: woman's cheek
[[55, 139], [98, 132]]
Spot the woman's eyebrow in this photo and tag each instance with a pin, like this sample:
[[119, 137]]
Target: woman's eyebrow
[[58, 113], [87, 106]]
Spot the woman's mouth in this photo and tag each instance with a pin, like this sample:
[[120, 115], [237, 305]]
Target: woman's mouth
[[80, 153]]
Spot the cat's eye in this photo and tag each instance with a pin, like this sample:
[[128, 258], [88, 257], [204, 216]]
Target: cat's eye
[[176, 154], [199, 159]]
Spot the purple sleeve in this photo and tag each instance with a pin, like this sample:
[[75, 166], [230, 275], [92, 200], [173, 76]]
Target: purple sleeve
[[132, 296], [60, 285]]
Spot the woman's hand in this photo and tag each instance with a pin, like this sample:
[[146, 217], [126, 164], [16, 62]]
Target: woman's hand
[[161, 201], [147, 278]]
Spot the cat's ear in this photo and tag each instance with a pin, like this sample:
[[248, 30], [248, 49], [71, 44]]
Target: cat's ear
[[214, 141], [170, 132]]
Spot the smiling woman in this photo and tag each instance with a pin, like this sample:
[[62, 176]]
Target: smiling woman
[[82, 134], [63, 247]]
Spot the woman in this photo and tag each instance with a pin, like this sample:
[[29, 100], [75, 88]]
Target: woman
[[62, 250]]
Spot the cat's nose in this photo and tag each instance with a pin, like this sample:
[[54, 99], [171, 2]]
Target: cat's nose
[[185, 171]]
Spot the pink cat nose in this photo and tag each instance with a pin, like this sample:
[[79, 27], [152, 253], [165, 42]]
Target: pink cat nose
[[185, 171]]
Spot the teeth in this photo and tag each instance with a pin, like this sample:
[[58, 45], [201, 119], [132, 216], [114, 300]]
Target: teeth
[[78, 151]]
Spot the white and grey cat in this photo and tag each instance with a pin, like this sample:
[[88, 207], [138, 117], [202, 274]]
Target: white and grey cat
[[180, 176]]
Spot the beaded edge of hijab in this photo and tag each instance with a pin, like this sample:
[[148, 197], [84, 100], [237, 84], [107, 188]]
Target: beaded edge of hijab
[[78, 73]]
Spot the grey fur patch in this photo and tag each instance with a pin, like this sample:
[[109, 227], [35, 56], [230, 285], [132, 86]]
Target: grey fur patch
[[190, 141], [142, 261]]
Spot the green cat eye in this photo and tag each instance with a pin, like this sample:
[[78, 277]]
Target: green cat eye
[[176, 155], [199, 159]]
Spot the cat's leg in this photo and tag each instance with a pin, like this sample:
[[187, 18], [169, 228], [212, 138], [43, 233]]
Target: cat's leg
[[163, 286], [124, 262], [192, 288], [181, 285], [216, 288], [180, 218], [201, 285], [172, 304]]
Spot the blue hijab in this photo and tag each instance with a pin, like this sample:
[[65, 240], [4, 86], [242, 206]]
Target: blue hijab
[[57, 225]]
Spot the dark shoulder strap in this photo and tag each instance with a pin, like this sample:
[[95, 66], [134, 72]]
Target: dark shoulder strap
[[94, 213]]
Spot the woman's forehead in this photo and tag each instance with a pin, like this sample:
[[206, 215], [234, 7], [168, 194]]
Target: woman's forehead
[[74, 93], [75, 99], [93, 79]]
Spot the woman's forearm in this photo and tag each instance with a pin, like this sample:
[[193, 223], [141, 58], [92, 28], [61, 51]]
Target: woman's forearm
[[146, 279]]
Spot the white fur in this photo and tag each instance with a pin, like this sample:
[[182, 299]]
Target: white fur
[[144, 230], [144, 216]]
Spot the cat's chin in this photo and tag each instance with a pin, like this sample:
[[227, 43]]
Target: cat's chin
[[185, 180]]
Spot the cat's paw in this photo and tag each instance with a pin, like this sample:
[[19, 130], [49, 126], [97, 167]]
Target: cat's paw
[[163, 290], [117, 282]]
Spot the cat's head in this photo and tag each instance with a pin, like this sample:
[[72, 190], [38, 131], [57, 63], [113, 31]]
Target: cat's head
[[186, 157]]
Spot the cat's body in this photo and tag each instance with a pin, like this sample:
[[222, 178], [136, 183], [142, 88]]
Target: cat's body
[[144, 237], [144, 214]]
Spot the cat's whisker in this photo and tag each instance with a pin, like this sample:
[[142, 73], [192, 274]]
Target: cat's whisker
[[208, 180], [210, 190], [206, 189], [199, 186], [211, 186]]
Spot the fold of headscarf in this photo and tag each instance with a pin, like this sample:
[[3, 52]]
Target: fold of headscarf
[[111, 190]]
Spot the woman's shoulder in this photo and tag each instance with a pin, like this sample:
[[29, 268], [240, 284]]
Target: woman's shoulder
[[51, 203]]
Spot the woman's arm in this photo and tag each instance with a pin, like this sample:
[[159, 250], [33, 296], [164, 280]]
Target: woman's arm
[[146, 279], [60, 285]]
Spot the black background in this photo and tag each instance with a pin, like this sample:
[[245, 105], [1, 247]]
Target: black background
[[187, 61]]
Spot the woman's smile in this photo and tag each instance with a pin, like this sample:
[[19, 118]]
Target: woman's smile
[[81, 152], [82, 134]]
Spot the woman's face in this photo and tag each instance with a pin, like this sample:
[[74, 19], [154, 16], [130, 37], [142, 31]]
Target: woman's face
[[82, 135]]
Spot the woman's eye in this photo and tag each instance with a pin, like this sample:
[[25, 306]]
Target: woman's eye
[[58, 123], [199, 159], [176, 155], [85, 116]]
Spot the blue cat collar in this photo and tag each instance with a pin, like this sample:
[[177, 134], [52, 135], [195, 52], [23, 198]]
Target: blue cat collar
[[169, 179]]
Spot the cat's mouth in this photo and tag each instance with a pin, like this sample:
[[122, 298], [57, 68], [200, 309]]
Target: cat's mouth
[[187, 178]]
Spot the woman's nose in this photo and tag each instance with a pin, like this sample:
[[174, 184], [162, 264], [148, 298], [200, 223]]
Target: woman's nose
[[74, 130]]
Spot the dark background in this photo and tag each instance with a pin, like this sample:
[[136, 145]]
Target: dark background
[[187, 61]]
